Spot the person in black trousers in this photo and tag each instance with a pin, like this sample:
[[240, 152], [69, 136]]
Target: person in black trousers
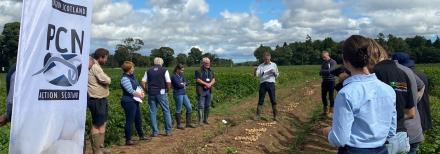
[[328, 82], [131, 107], [267, 72]]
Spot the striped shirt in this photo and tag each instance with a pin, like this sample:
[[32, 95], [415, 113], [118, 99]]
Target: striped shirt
[[126, 84]]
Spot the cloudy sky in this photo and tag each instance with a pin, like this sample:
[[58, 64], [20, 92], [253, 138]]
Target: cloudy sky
[[234, 28]]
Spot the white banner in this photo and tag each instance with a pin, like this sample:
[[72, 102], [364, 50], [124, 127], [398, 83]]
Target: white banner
[[50, 96]]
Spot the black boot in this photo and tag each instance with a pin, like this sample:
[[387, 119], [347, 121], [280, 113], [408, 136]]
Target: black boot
[[205, 116], [188, 121], [275, 112], [201, 116], [178, 121], [258, 115]]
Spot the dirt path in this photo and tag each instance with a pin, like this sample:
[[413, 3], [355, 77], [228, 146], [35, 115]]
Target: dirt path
[[243, 135]]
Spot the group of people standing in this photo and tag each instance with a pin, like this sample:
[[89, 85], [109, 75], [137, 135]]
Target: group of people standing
[[157, 82], [382, 104]]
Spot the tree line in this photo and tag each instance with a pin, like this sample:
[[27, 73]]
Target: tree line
[[422, 50], [128, 48], [307, 52]]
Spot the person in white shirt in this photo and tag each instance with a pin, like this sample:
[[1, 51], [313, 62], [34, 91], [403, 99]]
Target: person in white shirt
[[267, 72], [157, 82]]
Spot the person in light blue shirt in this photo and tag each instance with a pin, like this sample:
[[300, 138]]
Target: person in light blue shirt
[[364, 112]]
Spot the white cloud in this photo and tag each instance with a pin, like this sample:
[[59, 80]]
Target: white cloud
[[274, 25], [198, 6], [9, 11], [182, 24]]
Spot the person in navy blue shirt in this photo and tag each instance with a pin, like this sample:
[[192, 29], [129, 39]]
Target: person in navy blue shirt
[[364, 112], [180, 84], [131, 107]]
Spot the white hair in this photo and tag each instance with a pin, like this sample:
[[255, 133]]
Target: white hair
[[206, 60], [158, 61]]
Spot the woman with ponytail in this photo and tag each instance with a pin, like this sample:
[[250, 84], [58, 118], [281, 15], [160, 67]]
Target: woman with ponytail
[[364, 112]]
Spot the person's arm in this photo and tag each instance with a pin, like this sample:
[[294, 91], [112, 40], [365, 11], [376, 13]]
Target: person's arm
[[410, 113], [168, 80], [176, 83], [276, 72], [101, 76], [343, 118], [144, 81], [126, 84], [333, 65], [393, 127], [212, 81], [420, 87], [258, 72], [410, 110], [199, 80]]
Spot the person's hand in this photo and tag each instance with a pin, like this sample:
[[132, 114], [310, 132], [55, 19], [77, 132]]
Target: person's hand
[[138, 94], [325, 131]]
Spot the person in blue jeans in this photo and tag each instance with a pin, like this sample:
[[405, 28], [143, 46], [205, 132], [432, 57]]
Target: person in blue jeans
[[364, 112], [205, 80], [157, 82], [129, 104], [179, 93]]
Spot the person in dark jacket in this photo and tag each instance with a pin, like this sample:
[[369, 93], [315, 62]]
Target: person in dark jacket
[[179, 93], [205, 80], [131, 107], [328, 81], [158, 82], [342, 73]]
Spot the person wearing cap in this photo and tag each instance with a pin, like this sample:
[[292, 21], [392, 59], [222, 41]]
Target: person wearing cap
[[157, 82], [388, 72], [205, 80], [423, 106], [328, 81], [414, 126], [365, 112], [267, 72]]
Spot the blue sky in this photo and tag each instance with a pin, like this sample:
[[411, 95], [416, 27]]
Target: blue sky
[[235, 28], [265, 9]]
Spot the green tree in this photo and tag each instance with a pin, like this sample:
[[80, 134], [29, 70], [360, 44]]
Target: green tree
[[132, 45], [436, 43], [258, 53], [181, 58], [141, 61], [282, 55], [121, 55], [166, 53], [396, 44], [211, 57], [194, 56], [9, 44]]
